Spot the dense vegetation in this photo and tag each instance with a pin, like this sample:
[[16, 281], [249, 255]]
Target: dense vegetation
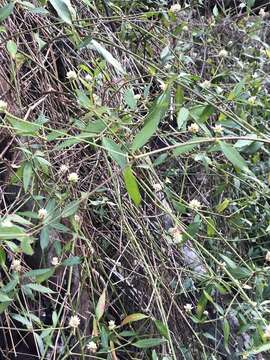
[[134, 174]]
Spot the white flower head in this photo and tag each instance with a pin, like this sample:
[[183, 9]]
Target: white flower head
[[72, 75], [157, 187], [74, 321], [267, 332], [77, 218], [219, 90], [267, 256], [112, 325], [223, 53], [247, 287], [175, 8], [206, 313], [137, 96], [252, 100], [218, 129], [242, 5], [92, 346], [3, 106], [96, 99], [73, 177], [176, 234], [16, 265], [63, 169], [162, 85], [206, 84], [185, 28], [262, 12], [55, 261], [188, 308], [195, 204], [193, 128], [88, 77], [42, 213]]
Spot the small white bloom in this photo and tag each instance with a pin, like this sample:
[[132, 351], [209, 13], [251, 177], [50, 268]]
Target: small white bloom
[[206, 84], [252, 100], [77, 218], [267, 256], [223, 53], [242, 5], [88, 77], [74, 321], [176, 234], [137, 96], [63, 169], [72, 75], [218, 129], [195, 204], [262, 12], [112, 325], [42, 213], [247, 287], [185, 28], [3, 106], [163, 86], [188, 308], [219, 90], [92, 346], [96, 99], [16, 265], [206, 313], [175, 8], [193, 128], [157, 187], [73, 177], [55, 261]]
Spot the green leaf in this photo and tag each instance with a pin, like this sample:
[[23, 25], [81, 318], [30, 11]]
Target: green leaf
[[27, 175], [74, 260], [40, 275], [26, 246], [70, 209], [184, 148], [44, 237], [6, 11], [133, 317], [221, 207], [152, 121], [23, 127], [12, 232], [39, 288], [132, 186], [12, 48], [260, 349], [4, 297], [100, 308], [226, 333], [130, 99], [233, 156], [107, 56], [3, 257], [148, 343], [63, 10], [182, 117], [115, 152], [162, 328]]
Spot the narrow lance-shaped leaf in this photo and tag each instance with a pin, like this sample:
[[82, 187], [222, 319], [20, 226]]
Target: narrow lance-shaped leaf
[[133, 317], [233, 156], [101, 305], [148, 343], [6, 11], [63, 10], [132, 186], [152, 121], [115, 152], [27, 175], [107, 56]]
